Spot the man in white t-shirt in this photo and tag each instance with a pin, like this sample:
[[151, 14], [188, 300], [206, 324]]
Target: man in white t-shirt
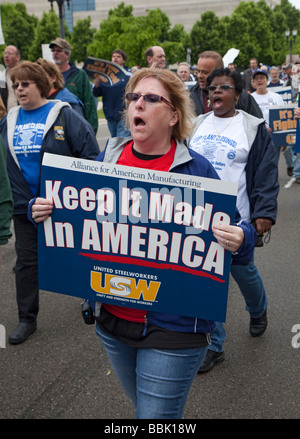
[[266, 99], [263, 96]]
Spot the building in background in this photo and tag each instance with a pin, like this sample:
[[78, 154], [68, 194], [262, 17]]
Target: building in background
[[74, 8]]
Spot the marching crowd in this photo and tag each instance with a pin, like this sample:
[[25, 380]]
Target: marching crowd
[[210, 121]]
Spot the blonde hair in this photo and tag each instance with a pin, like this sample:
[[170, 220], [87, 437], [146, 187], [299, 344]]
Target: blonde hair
[[2, 108], [178, 94]]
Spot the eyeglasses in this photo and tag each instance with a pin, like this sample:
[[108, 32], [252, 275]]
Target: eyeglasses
[[23, 84], [224, 87], [150, 97]]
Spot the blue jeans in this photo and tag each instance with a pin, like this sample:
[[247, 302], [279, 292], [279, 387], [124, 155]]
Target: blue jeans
[[117, 128], [292, 160], [297, 165], [252, 288], [157, 381], [289, 155]]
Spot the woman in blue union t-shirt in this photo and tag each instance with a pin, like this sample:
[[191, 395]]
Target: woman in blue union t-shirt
[[29, 130], [27, 140]]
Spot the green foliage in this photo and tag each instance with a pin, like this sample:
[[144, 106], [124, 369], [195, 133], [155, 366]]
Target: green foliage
[[81, 37], [18, 27], [253, 28], [291, 14], [121, 30], [207, 34], [46, 31], [259, 32], [111, 31]]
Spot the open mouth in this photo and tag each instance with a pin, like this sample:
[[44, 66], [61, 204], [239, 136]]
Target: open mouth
[[217, 100], [139, 122]]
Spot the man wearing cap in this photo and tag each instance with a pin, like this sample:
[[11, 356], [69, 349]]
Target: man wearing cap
[[76, 80], [263, 96], [266, 99]]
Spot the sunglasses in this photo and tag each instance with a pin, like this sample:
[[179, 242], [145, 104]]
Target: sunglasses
[[24, 84], [150, 97], [224, 87]]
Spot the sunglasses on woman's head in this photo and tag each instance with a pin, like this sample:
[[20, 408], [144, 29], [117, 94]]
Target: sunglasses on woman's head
[[24, 84], [149, 97], [224, 87]]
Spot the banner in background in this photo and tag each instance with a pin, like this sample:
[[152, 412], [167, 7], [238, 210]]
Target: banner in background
[[110, 73], [284, 92]]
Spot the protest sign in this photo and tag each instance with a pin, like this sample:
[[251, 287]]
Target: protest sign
[[135, 237], [110, 73], [284, 92], [282, 124], [230, 56]]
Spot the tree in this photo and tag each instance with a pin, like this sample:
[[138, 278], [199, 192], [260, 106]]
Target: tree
[[121, 30], [253, 28], [291, 14], [291, 21], [253, 35], [46, 31], [81, 37], [178, 35], [206, 34], [106, 39]]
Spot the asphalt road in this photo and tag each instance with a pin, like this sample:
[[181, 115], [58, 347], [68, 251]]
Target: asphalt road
[[62, 372]]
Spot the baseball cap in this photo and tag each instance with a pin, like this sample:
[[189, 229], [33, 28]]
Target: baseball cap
[[60, 42], [288, 66], [260, 71]]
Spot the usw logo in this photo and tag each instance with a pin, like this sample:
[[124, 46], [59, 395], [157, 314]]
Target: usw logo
[[124, 286]]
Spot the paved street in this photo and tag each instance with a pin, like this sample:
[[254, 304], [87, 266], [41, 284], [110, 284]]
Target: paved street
[[62, 372], [102, 134]]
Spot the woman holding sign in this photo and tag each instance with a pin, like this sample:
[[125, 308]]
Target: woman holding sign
[[155, 355], [29, 130]]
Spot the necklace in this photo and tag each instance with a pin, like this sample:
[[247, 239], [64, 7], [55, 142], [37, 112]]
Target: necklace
[[226, 126]]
